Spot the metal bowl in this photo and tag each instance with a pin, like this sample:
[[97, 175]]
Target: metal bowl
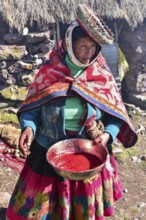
[[76, 145]]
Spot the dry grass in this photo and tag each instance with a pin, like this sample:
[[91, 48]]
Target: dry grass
[[133, 11], [19, 13]]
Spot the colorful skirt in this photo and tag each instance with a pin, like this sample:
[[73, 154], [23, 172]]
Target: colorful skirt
[[41, 194]]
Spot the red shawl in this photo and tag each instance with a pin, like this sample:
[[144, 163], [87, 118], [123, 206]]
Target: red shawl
[[95, 84]]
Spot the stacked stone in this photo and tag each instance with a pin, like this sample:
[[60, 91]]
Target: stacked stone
[[20, 59], [133, 44]]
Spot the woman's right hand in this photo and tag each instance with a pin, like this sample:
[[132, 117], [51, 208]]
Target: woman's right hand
[[102, 139], [25, 141]]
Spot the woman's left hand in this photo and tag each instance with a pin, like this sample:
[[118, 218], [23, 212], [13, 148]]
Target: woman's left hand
[[102, 139]]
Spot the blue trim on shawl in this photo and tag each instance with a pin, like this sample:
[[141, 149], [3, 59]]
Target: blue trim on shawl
[[64, 93], [43, 100], [89, 99]]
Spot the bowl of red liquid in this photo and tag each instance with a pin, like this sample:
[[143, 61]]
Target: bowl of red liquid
[[77, 159]]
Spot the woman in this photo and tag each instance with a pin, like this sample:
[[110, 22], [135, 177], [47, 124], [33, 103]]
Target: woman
[[73, 95]]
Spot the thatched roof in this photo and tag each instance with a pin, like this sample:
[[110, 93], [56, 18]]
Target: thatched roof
[[133, 11], [17, 13]]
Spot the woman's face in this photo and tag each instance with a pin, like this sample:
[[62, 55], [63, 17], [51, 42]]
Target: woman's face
[[84, 49]]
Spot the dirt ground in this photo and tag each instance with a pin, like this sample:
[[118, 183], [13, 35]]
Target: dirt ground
[[132, 172]]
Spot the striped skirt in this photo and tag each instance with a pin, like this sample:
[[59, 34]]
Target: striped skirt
[[41, 194]]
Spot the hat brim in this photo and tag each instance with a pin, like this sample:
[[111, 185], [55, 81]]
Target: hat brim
[[94, 25]]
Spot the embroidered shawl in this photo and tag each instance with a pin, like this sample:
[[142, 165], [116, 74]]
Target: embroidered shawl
[[95, 84]]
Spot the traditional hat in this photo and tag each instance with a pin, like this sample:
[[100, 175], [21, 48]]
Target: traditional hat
[[95, 28], [94, 25]]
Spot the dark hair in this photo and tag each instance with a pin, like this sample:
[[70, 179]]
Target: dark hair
[[77, 33]]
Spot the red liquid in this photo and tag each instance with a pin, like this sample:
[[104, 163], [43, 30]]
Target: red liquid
[[77, 162]]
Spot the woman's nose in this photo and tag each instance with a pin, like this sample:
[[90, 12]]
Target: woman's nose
[[89, 51]]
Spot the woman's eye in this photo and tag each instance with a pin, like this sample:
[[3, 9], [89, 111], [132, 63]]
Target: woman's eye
[[83, 46]]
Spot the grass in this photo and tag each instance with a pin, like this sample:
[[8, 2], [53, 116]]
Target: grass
[[135, 209], [8, 117], [122, 216], [127, 154], [143, 165]]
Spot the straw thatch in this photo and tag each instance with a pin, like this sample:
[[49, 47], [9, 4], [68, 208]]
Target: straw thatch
[[18, 13], [133, 11]]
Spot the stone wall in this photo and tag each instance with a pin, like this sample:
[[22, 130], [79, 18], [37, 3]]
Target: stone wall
[[133, 44], [20, 58]]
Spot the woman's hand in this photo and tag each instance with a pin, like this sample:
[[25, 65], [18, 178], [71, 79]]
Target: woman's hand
[[25, 141], [102, 139]]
